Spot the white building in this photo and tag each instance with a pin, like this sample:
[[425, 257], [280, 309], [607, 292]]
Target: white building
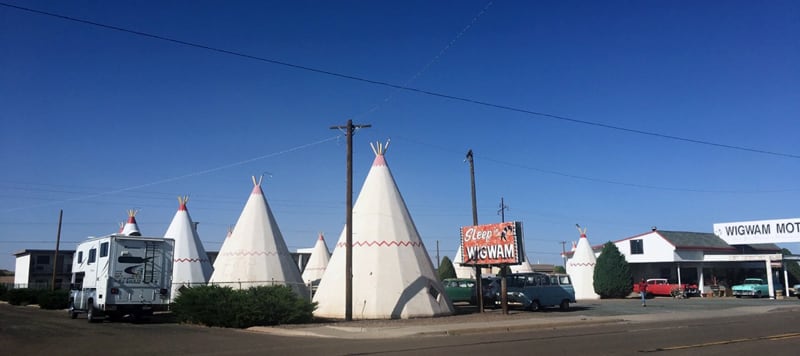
[[697, 257]]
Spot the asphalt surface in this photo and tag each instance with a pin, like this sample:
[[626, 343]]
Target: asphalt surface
[[723, 326], [595, 312]]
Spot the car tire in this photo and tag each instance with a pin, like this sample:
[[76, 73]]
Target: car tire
[[535, 306], [564, 306]]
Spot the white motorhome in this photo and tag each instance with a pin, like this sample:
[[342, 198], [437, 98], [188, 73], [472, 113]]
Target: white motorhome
[[118, 275]]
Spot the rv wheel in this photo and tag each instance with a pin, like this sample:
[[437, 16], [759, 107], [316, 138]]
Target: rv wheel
[[90, 312], [72, 313]]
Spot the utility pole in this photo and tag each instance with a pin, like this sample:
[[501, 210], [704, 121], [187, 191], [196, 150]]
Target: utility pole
[[437, 256], [503, 283], [502, 211], [349, 130], [55, 255], [564, 253], [478, 279]]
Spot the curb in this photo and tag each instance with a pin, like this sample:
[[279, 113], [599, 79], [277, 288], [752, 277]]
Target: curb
[[524, 327]]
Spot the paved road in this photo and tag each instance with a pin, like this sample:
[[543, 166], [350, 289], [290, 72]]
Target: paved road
[[31, 331]]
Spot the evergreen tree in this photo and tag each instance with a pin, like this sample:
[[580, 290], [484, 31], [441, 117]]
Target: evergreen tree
[[612, 274], [559, 269], [792, 267], [446, 269]]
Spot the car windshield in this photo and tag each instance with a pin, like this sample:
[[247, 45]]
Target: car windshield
[[753, 281]]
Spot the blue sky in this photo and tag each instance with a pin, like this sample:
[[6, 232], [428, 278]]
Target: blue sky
[[97, 121]]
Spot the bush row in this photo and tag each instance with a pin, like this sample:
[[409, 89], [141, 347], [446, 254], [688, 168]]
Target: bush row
[[45, 298], [257, 306]]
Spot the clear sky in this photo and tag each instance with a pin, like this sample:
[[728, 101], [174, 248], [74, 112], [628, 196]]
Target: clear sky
[[97, 121]]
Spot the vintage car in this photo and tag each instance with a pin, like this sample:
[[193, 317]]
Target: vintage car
[[754, 287], [460, 290], [797, 290], [535, 291], [662, 287]]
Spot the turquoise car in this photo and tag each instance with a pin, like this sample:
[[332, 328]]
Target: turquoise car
[[754, 287]]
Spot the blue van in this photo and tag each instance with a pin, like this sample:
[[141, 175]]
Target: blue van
[[536, 291]]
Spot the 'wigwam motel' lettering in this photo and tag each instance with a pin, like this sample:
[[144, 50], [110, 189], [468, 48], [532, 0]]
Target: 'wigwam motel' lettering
[[757, 229], [490, 251]]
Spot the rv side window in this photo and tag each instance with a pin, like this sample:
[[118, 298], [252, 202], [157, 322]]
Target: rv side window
[[80, 256], [92, 255], [104, 249]]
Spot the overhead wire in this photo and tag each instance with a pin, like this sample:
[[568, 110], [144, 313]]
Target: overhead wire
[[171, 179], [407, 88], [431, 62]]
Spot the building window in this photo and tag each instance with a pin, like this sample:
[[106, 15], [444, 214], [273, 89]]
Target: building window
[[92, 256], [637, 247], [43, 260], [80, 256], [104, 249]]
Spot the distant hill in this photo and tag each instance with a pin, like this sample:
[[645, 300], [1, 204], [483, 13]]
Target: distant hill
[[5, 272]]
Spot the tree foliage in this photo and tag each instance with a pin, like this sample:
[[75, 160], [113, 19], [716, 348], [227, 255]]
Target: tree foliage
[[446, 269], [792, 267], [559, 269], [612, 274]]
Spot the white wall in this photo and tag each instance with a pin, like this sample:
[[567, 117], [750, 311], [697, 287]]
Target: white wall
[[22, 271], [655, 247]]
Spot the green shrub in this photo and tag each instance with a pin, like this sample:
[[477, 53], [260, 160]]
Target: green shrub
[[3, 292], [23, 296], [226, 307], [57, 299], [612, 274]]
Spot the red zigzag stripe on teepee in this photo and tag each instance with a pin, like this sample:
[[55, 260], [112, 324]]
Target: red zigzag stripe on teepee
[[250, 253], [582, 264], [190, 260], [382, 243]]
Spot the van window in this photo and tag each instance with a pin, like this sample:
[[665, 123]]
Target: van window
[[104, 249], [92, 255]]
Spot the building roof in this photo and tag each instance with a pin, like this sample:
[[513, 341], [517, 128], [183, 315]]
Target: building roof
[[683, 240], [28, 251]]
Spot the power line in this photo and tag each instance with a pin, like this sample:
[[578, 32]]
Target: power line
[[406, 88], [166, 180], [597, 180]]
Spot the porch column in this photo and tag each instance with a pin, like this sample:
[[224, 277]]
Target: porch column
[[700, 279], [679, 274], [769, 279]]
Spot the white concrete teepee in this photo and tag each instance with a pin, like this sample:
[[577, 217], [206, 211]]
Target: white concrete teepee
[[226, 244], [393, 276], [524, 267], [191, 266], [581, 268], [257, 254], [317, 262], [131, 228], [462, 271]]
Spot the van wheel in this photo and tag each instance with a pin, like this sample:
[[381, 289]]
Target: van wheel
[[564, 306], [535, 306]]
